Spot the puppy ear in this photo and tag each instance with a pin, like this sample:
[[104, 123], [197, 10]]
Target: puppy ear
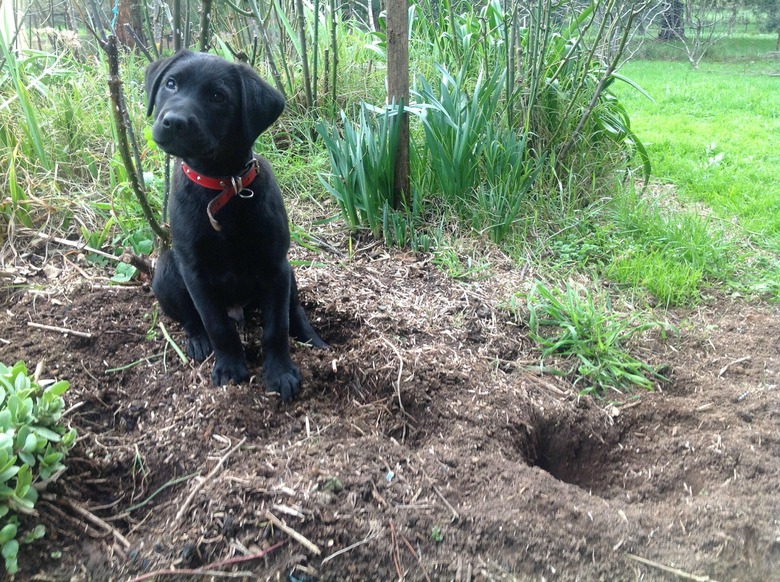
[[261, 104], [154, 74]]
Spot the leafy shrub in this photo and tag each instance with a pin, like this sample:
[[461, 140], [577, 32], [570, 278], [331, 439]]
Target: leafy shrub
[[510, 108], [33, 444]]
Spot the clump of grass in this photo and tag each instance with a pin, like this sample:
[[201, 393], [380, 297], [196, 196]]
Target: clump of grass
[[572, 325], [362, 158], [670, 282]]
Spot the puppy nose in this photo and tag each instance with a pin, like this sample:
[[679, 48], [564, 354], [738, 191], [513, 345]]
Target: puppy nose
[[174, 122]]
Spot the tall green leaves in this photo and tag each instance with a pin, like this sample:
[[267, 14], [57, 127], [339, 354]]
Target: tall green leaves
[[17, 76], [362, 161], [508, 99], [455, 127]]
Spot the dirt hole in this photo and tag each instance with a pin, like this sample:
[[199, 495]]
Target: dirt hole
[[578, 452]]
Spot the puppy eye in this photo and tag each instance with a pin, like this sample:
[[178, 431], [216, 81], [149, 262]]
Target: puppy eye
[[171, 84], [218, 97]]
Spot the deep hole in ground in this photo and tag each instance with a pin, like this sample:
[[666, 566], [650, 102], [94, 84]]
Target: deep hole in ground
[[578, 452]]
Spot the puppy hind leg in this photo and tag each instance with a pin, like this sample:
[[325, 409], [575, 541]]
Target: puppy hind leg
[[300, 328], [174, 298]]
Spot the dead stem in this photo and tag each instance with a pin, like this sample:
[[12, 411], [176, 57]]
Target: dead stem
[[94, 519], [84, 334], [293, 534], [185, 506]]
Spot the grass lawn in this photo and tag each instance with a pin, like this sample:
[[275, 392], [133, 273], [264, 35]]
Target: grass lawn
[[715, 133]]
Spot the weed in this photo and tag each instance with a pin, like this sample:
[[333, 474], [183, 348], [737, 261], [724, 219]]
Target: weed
[[591, 335]]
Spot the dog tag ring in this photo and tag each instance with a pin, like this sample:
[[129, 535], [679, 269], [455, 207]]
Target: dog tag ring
[[246, 193]]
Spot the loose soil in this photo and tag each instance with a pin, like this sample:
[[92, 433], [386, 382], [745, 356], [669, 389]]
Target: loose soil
[[420, 447]]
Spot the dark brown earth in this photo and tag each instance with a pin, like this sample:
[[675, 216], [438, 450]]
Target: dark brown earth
[[421, 446]]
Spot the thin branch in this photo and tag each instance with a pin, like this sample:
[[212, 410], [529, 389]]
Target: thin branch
[[186, 505], [677, 572], [300, 538], [84, 334], [120, 120], [94, 519]]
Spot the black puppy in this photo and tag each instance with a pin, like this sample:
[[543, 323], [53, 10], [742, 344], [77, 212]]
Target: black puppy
[[228, 222]]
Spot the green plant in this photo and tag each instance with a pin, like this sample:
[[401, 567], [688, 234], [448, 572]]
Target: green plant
[[17, 72], [455, 125], [436, 534], [449, 261], [33, 444], [362, 157], [591, 335]]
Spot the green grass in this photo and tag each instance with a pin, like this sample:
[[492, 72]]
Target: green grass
[[589, 336], [737, 47], [714, 133], [640, 242]]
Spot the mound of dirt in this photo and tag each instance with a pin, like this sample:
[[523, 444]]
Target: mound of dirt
[[420, 448]]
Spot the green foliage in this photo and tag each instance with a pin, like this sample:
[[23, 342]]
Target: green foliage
[[17, 71], [362, 164], [490, 128], [33, 444], [571, 324], [710, 133]]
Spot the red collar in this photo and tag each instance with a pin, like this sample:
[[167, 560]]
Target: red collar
[[229, 186]]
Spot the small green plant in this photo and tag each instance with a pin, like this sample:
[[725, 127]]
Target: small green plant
[[436, 534], [33, 444], [595, 338]]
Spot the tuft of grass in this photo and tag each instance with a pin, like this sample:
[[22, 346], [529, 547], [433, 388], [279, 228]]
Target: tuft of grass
[[670, 282], [570, 324]]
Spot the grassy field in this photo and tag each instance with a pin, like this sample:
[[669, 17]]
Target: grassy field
[[711, 216], [713, 132]]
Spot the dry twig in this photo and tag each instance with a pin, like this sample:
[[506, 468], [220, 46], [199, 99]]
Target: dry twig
[[94, 519], [416, 555], [78, 246], [84, 334], [350, 548], [400, 373], [677, 572], [300, 538], [737, 361], [396, 552], [186, 505], [455, 514], [250, 557]]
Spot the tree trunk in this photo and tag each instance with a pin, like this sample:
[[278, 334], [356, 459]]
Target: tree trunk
[[205, 19], [672, 25], [398, 90], [304, 53], [129, 15]]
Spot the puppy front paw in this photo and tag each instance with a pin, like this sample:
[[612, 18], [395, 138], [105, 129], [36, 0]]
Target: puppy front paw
[[198, 347], [285, 380], [226, 370]]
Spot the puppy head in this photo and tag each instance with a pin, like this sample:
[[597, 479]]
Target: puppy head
[[207, 108]]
